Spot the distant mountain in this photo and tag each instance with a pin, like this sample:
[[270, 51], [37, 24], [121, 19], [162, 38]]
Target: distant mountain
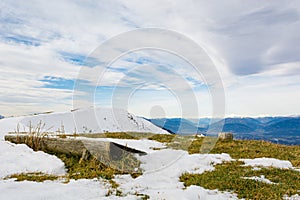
[[238, 125], [284, 125], [177, 125], [285, 130], [202, 122], [266, 120]]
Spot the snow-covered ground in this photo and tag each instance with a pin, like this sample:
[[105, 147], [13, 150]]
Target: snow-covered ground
[[160, 179], [268, 162], [19, 158], [162, 170]]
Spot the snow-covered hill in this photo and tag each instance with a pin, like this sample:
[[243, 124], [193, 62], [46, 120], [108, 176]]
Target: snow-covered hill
[[92, 120]]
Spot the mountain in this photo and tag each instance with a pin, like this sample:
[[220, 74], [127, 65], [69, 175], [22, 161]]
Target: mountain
[[284, 130], [93, 120], [177, 125], [202, 122], [240, 125], [284, 125]]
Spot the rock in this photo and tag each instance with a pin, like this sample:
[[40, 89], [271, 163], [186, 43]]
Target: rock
[[225, 136]]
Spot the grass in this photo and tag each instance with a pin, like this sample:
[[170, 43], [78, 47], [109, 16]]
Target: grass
[[37, 177], [92, 168], [118, 135], [256, 149], [86, 169], [229, 177], [251, 149], [162, 137]]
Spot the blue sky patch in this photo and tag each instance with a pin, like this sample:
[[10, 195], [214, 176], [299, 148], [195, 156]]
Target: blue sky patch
[[142, 60], [18, 39], [58, 83], [79, 59]]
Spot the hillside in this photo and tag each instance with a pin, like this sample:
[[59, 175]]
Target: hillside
[[98, 120]]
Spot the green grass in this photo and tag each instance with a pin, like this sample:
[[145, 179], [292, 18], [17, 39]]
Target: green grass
[[256, 149], [118, 135], [229, 177], [251, 149], [235, 148], [162, 137], [87, 169], [37, 177], [93, 168], [174, 141]]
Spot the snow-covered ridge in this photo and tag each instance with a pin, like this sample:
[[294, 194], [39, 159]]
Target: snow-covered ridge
[[92, 120]]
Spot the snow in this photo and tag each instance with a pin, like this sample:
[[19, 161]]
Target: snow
[[162, 170], [20, 158], [268, 162], [262, 178], [80, 189], [293, 197], [8, 125], [92, 120]]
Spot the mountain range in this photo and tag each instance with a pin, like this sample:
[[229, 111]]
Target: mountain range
[[283, 130]]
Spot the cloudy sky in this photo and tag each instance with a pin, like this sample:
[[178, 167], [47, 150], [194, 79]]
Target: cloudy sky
[[254, 45]]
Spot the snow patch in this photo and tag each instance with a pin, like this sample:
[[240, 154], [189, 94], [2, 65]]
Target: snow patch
[[293, 197], [22, 159], [262, 178], [75, 189], [162, 170], [268, 162]]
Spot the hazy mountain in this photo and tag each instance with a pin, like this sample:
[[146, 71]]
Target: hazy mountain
[[291, 125], [285, 130], [177, 125]]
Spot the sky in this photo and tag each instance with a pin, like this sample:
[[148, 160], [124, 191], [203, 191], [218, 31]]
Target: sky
[[46, 45]]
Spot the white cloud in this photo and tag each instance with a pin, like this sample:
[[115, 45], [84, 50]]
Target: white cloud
[[253, 44]]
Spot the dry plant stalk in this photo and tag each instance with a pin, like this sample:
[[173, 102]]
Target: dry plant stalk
[[34, 135]]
